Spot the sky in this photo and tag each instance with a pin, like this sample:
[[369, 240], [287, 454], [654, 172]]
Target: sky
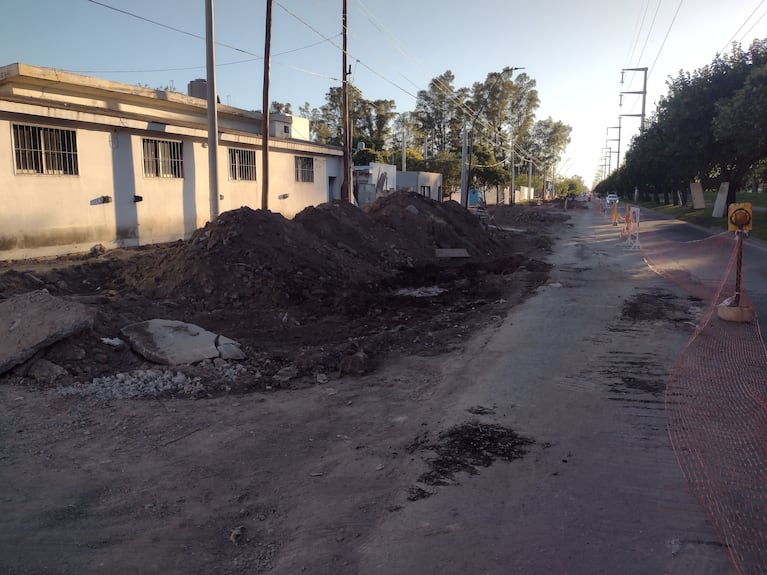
[[575, 50]]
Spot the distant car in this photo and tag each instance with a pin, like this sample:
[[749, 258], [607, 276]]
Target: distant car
[[612, 199]]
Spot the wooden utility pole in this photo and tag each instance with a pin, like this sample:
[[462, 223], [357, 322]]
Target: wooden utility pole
[[347, 135], [210, 65], [265, 120]]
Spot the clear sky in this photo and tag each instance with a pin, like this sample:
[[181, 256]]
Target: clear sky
[[574, 49]]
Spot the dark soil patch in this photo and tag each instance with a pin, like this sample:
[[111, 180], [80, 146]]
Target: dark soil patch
[[464, 448], [655, 305]]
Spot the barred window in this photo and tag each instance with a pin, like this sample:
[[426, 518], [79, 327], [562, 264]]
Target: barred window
[[304, 169], [242, 164], [40, 150], [163, 158]]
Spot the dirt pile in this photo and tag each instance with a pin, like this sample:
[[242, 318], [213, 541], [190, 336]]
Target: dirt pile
[[248, 257], [300, 295]]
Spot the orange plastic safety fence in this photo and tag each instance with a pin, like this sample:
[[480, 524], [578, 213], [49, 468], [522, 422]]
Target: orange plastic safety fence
[[716, 400]]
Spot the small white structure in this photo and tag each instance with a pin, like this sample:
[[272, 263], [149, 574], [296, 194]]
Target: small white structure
[[524, 194], [373, 181], [427, 184], [85, 161]]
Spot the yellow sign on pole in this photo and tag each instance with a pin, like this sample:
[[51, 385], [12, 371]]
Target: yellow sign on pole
[[739, 217]]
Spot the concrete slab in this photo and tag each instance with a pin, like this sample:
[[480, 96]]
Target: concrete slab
[[32, 321], [171, 342], [451, 253]]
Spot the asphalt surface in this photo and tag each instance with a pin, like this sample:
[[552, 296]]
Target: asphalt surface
[[754, 256], [600, 490]]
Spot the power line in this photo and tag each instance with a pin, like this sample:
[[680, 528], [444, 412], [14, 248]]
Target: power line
[[649, 31], [747, 32], [636, 35], [167, 27], [256, 57], [666, 36], [741, 26]]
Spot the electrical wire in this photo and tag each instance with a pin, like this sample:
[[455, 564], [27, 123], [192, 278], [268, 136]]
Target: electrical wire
[[727, 45], [747, 32], [461, 105], [256, 57], [649, 32], [637, 33], [649, 72]]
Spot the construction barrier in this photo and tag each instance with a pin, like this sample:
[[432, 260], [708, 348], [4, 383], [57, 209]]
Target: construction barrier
[[716, 399]]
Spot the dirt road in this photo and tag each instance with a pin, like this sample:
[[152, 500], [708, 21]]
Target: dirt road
[[538, 446]]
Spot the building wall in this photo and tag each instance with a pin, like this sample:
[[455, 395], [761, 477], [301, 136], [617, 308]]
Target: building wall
[[425, 183], [110, 201]]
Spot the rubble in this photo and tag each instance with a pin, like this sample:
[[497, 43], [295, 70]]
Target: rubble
[[35, 320]]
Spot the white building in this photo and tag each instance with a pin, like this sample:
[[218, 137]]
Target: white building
[[427, 184], [373, 181], [87, 161]]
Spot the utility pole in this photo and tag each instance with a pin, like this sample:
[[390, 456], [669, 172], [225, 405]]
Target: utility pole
[[404, 148], [530, 175], [464, 175], [210, 63], [511, 138], [346, 180], [618, 139], [265, 118], [643, 91]]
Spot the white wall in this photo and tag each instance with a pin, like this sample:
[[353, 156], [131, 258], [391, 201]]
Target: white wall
[[38, 210], [53, 214], [414, 181]]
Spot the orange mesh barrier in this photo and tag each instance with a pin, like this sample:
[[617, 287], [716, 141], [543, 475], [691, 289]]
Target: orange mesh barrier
[[716, 399]]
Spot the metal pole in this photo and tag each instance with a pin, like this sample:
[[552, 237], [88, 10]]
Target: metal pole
[[738, 268], [464, 186], [346, 185], [404, 149], [210, 65], [266, 120], [530, 175]]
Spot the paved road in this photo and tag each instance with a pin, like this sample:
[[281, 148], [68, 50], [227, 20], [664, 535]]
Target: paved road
[[601, 490], [754, 256]]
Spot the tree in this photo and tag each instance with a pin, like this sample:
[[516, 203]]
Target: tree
[[449, 165], [438, 112], [280, 108], [741, 124]]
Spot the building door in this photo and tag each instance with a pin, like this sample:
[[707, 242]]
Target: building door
[[333, 192]]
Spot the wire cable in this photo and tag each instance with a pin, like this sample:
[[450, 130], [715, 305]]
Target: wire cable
[[727, 45], [649, 72]]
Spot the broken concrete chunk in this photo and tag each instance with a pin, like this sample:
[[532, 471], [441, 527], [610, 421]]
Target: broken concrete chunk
[[229, 349], [33, 321], [286, 373], [172, 342]]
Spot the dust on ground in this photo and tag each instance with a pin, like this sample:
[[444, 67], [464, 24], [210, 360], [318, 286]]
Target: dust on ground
[[281, 462]]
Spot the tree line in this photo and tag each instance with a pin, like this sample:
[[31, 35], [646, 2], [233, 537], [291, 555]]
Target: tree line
[[496, 114], [711, 127]]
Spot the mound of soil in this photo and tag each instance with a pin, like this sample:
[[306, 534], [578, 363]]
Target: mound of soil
[[302, 296]]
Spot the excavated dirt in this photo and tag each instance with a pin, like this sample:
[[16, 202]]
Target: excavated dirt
[[332, 292], [280, 463]]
